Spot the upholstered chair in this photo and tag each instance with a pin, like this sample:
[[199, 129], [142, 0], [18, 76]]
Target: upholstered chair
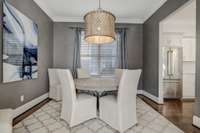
[[6, 120], [83, 73], [118, 73], [55, 91], [76, 108], [120, 112]]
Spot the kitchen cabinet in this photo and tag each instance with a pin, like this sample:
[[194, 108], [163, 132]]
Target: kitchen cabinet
[[188, 86], [172, 39], [189, 51], [188, 80]]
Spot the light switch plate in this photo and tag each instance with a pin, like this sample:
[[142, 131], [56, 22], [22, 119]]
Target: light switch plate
[[22, 98]]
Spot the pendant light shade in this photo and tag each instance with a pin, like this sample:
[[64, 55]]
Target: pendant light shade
[[100, 27]]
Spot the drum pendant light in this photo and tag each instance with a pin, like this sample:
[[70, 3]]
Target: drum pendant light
[[100, 26]]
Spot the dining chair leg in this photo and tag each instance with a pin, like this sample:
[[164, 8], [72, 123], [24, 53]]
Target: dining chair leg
[[98, 96], [70, 129]]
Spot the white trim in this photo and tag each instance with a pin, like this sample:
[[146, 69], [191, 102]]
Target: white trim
[[188, 97], [196, 121], [160, 82], [130, 20], [18, 111], [160, 69], [80, 19], [139, 92], [150, 96]]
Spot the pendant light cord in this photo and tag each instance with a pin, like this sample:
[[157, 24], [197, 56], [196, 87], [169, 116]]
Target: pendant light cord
[[99, 4]]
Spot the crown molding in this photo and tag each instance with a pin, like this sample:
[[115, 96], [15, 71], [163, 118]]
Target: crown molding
[[80, 19], [130, 20], [55, 18]]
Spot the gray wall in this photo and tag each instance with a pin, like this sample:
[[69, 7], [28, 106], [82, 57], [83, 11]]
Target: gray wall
[[197, 104], [10, 92], [64, 45], [151, 45]]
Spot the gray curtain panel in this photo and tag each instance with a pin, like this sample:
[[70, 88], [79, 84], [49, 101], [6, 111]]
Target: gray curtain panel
[[122, 44], [122, 49], [76, 56]]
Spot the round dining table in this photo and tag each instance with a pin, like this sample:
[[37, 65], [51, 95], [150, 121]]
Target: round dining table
[[97, 86]]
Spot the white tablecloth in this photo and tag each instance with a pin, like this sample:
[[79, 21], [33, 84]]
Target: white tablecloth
[[97, 84]]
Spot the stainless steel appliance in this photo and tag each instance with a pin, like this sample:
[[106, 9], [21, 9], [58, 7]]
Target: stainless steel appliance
[[172, 72]]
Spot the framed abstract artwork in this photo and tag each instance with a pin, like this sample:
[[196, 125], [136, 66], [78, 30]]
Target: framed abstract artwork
[[20, 45]]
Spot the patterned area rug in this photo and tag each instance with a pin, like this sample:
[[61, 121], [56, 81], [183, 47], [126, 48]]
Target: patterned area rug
[[47, 120]]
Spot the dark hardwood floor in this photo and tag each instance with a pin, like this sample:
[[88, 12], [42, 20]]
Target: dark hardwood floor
[[178, 112]]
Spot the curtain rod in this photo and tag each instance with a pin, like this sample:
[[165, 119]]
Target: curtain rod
[[74, 27]]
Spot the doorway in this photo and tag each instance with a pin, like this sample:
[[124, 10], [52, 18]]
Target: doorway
[[177, 52]]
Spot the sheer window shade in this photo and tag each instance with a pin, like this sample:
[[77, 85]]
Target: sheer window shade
[[99, 59]]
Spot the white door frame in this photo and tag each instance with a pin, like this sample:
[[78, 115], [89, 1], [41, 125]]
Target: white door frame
[[160, 82]]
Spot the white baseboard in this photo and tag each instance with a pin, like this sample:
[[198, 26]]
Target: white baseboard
[[18, 111], [139, 92], [150, 96], [196, 121], [188, 97]]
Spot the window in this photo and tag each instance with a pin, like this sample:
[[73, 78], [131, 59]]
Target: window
[[99, 59]]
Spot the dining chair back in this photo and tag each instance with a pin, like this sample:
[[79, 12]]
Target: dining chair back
[[54, 85], [118, 73], [76, 108], [120, 111], [68, 92], [127, 97], [83, 73], [6, 120]]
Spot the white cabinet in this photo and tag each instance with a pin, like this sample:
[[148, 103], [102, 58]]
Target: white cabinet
[[172, 39], [188, 80], [189, 51], [178, 40], [189, 57], [188, 86]]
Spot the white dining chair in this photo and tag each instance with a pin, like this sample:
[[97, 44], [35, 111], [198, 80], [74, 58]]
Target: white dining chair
[[55, 91], [120, 112], [75, 108], [6, 120], [118, 73], [83, 73]]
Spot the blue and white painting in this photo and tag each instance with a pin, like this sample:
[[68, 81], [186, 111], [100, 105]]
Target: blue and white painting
[[20, 45]]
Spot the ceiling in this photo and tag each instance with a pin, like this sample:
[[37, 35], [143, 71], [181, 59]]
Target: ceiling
[[184, 15], [183, 20], [126, 11]]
